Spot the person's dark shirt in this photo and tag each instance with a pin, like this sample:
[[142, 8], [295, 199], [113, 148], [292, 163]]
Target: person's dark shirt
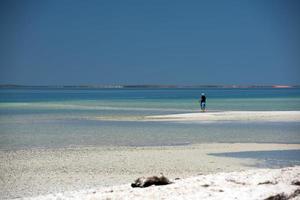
[[203, 99]]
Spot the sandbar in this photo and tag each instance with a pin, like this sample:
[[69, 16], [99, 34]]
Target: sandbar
[[258, 116]]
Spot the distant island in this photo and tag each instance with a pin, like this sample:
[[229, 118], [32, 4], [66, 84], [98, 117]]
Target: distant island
[[116, 86]]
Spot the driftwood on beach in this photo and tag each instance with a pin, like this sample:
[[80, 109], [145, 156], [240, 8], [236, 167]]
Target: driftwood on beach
[[153, 180]]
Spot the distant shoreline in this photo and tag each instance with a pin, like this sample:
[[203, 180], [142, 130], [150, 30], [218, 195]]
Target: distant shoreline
[[115, 86]]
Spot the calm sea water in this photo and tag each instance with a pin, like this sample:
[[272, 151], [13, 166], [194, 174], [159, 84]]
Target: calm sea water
[[61, 118], [270, 159]]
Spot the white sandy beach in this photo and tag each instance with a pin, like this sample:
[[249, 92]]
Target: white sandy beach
[[33, 172], [149, 100], [260, 116], [244, 185]]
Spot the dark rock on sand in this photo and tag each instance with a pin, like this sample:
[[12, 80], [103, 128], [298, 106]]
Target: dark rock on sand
[[282, 196], [205, 185], [277, 197], [296, 182], [268, 182], [295, 194]]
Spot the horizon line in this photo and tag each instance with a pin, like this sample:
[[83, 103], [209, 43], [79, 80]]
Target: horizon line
[[95, 86]]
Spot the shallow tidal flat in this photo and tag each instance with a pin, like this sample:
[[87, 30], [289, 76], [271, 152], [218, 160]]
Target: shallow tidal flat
[[33, 172]]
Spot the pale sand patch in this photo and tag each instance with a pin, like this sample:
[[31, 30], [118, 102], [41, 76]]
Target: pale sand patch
[[284, 116], [244, 185], [43, 171]]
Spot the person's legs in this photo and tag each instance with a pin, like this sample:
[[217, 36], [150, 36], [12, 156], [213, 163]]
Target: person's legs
[[202, 106]]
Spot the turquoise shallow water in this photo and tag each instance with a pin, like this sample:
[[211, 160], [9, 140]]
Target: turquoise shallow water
[[59, 118]]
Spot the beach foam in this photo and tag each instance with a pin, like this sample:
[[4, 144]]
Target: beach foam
[[284, 116], [244, 185]]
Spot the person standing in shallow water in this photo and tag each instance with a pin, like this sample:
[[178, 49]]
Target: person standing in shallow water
[[202, 102]]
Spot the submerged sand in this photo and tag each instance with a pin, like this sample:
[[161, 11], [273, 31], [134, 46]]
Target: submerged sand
[[32, 172], [260, 116]]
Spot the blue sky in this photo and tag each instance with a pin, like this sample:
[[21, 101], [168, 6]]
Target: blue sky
[[53, 42]]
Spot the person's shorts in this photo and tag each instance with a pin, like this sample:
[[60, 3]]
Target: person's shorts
[[203, 105]]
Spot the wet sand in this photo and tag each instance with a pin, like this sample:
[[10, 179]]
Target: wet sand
[[32, 172]]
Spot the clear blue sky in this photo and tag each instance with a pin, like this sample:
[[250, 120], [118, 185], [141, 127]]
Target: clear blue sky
[[52, 42]]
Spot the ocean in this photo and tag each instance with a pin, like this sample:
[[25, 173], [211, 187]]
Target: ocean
[[55, 118]]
